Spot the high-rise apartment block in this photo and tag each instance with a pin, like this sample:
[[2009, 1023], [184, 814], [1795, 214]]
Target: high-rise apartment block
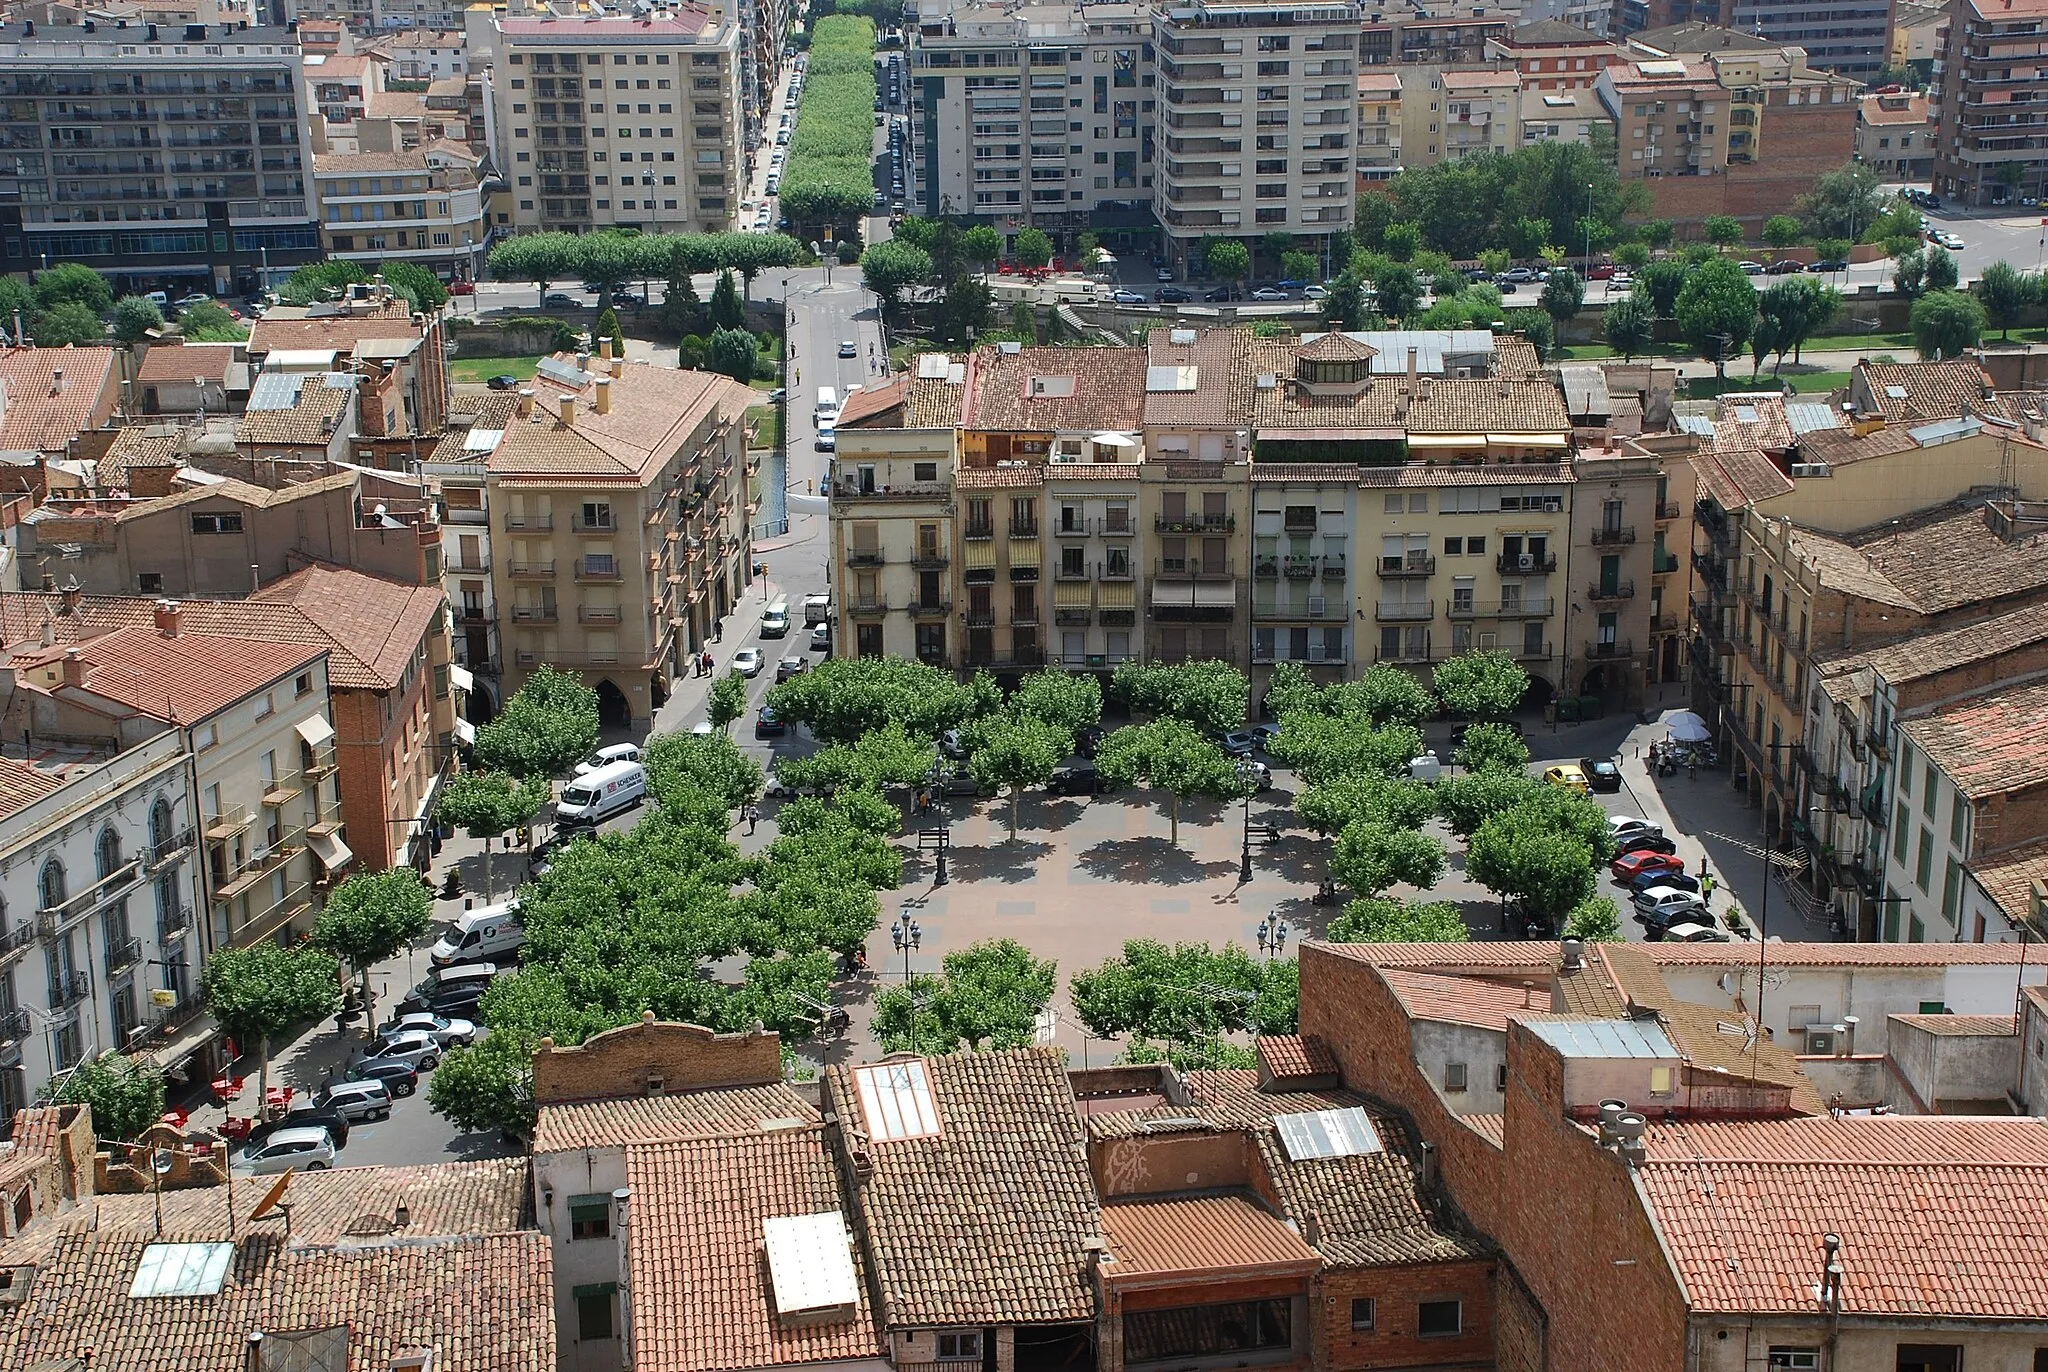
[[621, 121], [152, 151], [1992, 144]]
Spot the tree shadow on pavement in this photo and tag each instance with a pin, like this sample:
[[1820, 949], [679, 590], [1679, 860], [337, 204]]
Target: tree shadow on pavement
[[482, 1145], [1052, 813], [999, 861], [1149, 861]]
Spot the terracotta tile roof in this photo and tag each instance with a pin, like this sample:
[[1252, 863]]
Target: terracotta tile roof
[[239, 492], [1124, 472], [1297, 1055], [1842, 447], [1450, 406], [1516, 359], [1516, 959], [22, 786], [1930, 390], [935, 403], [1837, 954], [1890, 110], [1747, 420], [1479, 80], [681, 1115], [1460, 1000], [999, 478], [377, 624], [1194, 1236], [483, 1304], [1386, 84], [340, 332], [1939, 1218], [1336, 347], [135, 448], [654, 413], [1493, 1128], [874, 402], [702, 1297], [1468, 474], [1055, 389], [1991, 744], [363, 163], [1589, 991], [2008, 878], [178, 362], [312, 420], [1317, 473], [1736, 479], [1219, 394], [39, 417], [1939, 560], [1370, 1206], [985, 1222], [178, 680], [1958, 1026]]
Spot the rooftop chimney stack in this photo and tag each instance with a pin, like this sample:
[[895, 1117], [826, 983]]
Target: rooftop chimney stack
[[74, 668], [525, 401], [601, 398], [168, 613], [618, 366], [568, 411], [604, 349], [73, 595], [56, 381]]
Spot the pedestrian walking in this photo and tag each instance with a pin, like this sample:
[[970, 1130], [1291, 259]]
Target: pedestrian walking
[[753, 817], [1707, 889]]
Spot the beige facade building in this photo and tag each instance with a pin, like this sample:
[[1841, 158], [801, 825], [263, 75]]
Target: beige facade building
[[1380, 126], [424, 206], [1482, 112], [618, 517]]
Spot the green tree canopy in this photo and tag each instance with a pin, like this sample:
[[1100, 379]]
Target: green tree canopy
[[68, 323], [1793, 309], [1031, 248], [208, 322], [1465, 802], [888, 756], [1329, 807], [1386, 920], [126, 1094], [842, 698], [1947, 323], [732, 352], [1171, 756], [1396, 291], [728, 701], [1630, 325], [549, 724], [1782, 231], [134, 317], [890, 267], [258, 992], [1716, 310], [370, 917], [1722, 230], [1228, 261], [1597, 920], [415, 283], [1493, 747], [987, 996], [489, 803], [1520, 857], [2007, 294], [74, 283], [1189, 993], [319, 281], [1843, 203], [1324, 747], [1660, 284], [700, 778], [1481, 685], [1065, 700], [1370, 857], [1016, 751], [1209, 696], [1563, 294], [982, 244], [726, 310]]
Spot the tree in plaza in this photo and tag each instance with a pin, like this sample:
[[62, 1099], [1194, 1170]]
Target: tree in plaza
[[988, 995], [1171, 756], [488, 804], [1383, 919], [542, 258], [1546, 872], [134, 317], [1716, 310], [549, 723], [983, 246], [1630, 325], [74, 283], [1722, 230], [700, 778], [1782, 231], [258, 992], [1382, 695], [732, 352], [888, 268], [415, 283], [1482, 685], [1370, 857], [126, 1094], [1396, 291], [888, 756], [1597, 920], [1494, 748], [1064, 700], [1209, 696], [1796, 308], [373, 916], [1660, 284], [1017, 751], [67, 323], [1465, 802], [1290, 688], [726, 310], [2006, 292], [1563, 294], [728, 701], [1843, 203], [843, 698], [1228, 260], [1323, 747], [1331, 806], [1186, 994], [1031, 247], [1947, 323]]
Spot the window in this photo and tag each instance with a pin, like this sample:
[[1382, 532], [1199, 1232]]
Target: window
[[204, 737], [1660, 1081], [1793, 1359], [596, 515], [1923, 868], [264, 706], [150, 583], [924, 471], [1362, 1312], [1958, 821], [216, 524], [1902, 835], [1500, 1075], [1438, 1319], [1454, 1076], [960, 1347], [51, 886], [302, 685], [1951, 889], [1454, 547], [1208, 1330], [590, 1217], [594, 1310]]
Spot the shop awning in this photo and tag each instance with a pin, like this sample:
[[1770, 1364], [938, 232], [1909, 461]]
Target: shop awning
[[1070, 595], [1210, 593], [317, 732], [332, 852], [1024, 552], [465, 731], [1447, 440], [1552, 440], [981, 554], [459, 677], [1119, 595]]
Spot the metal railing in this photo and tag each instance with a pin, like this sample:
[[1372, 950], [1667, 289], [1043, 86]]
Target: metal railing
[[1194, 524], [14, 1025], [1193, 569], [1300, 568], [1525, 564], [535, 614], [1616, 590], [173, 922], [123, 954], [930, 609], [526, 571], [608, 570], [1413, 565], [1404, 611], [1608, 536], [1619, 648], [68, 989]]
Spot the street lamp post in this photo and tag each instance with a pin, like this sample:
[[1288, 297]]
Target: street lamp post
[[1247, 776], [907, 934], [1273, 933], [1589, 226]]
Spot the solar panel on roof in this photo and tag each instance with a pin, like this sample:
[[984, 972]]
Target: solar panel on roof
[[1328, 1134], [810, 1263], [932, 366], [1895, 392], [1170, 379], [181, 1269], [1745, 414]]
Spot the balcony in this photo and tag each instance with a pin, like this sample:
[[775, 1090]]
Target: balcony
[[532, 571], [865, 557], [534, 614], [1333, 568], [1192, 569], [173, 922], [597, 614], [603, 525], [1024, 571], [1663, 564], [530, 522], [930, 609], [1404, 611], [1070, 572], [1300, 568], [1611, 590], [1525, 564], [1194, 524], [1880, 741], [14, 1025], [869, 609], [1023, 528], [1265, 568], [593, 569], [1667, 510], [980, 619], [1619, 649], [1871, 803], [978, 531], [929, 560], [1504, 609], [1073, 528], [17, 938], [1113, 571], [170, 849], [1531, 652], [1612, 536], [122, 955], [1417, 651], [68, 989]]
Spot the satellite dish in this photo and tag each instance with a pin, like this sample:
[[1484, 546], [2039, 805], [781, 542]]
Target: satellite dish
[[271, 1198]]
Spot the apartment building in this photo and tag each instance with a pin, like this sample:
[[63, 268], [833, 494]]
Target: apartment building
[[424, 207], [1896, 134], [397, 358], [1380, 125], [1555, 55], [103, 878], [1439, 33], [1482, 114], [1037, 117], [1574, 116], [617, 499], [1848, 40], [427, 54], [618, 121], [1662, 109], [163, 156], [458, 472], [1295, 68], [1915, 40], [1988, 74]]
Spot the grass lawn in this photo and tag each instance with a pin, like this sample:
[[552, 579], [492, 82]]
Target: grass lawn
[[1862, 342], [475, 371], [768, 418]]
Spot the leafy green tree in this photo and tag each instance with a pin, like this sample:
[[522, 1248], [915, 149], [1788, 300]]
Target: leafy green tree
[[1171, 756], [888, 268], [1655, 232], [1384, 919], [134, 317], [1716, 311], [67, 323], [1547, 872], [1482, 685], [700, 778], [982, 245], [987, 995], [415, 283], [843, 698], [1634, 256], [1722, 230], [126, 1094], [489, 803], [15, 298], [1017, 751], [1947, 324], [1909, 273], [1493, 748], [726, 310], [1382, 695], [1031, 247], [682, 311], [1832, 249], [2007, 294], [1465, 802], [1228, 261], [731, 352], [1536, 326], [210, 323], [1597, 920], [1184, 994], [1344, 307], [1630, 325], [1792, 310], [259, 992], [1324, 747], [1331, 806], [542, 258], [1276, 244], [1064, 700], [1782, 231], [1563, 294], [549, 723], [965, 308], [1370, 857], [1290, 688], [1402, 240], [1209, 696], [319, 281], [1843, 203], [728, 700], [888, 756], [1526, 236], [1396, 292], [1553, 255], [74, 283], [1494, 261], [1941, 272], [1761, 340], [1660, 284], [370, 917], [1298, 266]]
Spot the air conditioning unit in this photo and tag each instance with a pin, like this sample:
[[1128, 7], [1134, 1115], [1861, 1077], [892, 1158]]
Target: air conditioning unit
[[1316, 604], [1820, 1042], [1315, 652], [1810, 469], [1526, 562]]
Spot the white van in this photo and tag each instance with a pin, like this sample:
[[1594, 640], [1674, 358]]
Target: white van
[[775, 620], [817, 608], [828, 404], [595, 797], [1426, 768], [491, 931], [607, 755]]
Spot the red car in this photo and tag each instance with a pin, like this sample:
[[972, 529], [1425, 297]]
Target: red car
[[1629, 866], [1601, 272], [462, 288]]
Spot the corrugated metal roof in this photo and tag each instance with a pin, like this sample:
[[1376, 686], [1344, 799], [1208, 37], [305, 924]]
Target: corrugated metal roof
[[1605, 1038], [275, 391], [1807, 417]]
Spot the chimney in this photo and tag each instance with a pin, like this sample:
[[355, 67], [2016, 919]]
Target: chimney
[[72, 596], [74, 668], [1312, 1227], [604, 349], [583, 362], [56, 381], [568, 411], [1574, 952], [525, 406], [1412, 366], [1849, 1023], [49, 583], [168, 613], [601, 398], [1428, 1165], [618, 366]]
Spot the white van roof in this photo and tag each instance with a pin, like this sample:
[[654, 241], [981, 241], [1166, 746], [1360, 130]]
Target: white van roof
[[606, 775], [468, 971], [484, 914]]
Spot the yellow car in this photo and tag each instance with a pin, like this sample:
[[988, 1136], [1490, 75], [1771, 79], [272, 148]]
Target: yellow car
[[1570, 776]]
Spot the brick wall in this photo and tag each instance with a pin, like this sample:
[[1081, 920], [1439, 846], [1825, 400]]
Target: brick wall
[[626, 1061], [2007, 820], [363, 765], [1520, 1329], [1396, 1293]]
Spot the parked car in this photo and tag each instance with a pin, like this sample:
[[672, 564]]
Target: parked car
[[789, 667], [1263, 735], [821, 638], [1601, 773], [310, 1114], [1162, 274], [767, 724], [1223, 293], [1519, 274], [1122, 297], [462, 288], [186, 302], [955, 780], [1663, 876], [1075, 779], [781, 789], [953, 744], [416, 1048], [556, 300], [1623, 825], [1314, 293], [291, 1150], [398, 1078], [1645, 843], [1458, 731], [1628, 868], [1751, 268], [1270, 294], [1262, 775], [747, 662], [447, 1032], [1690, 932], [1664, 899], [1089, 739], [1829, 264], [1172, 295], [1948, 240], [1602, 272], [1784, 266], [1238, 744], [1567, 775], [348, 1100]]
